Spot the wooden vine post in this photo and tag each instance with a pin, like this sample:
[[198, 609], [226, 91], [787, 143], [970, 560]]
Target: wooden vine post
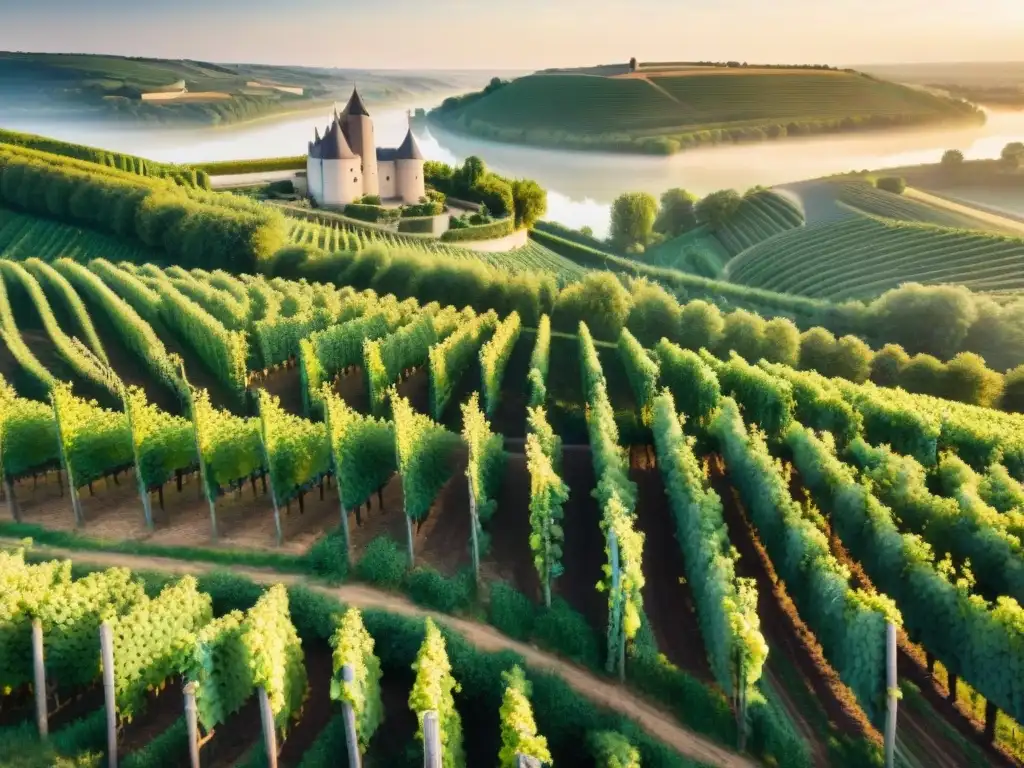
[[76, 504], [740, 698], [147, 505], [39, 678], [196, 432], [192, 724], [527, 761], [351, 735], [616, 636], [892, 691], [337, 478], [431, 740], [107, 657], [269, 732], [473, 523], [270, 472], [12, 503]]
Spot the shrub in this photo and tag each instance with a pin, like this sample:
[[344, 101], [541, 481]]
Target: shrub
[[563, 630], [510, 611], [491, 231], [327, 557], [365, 212], [429, 588], [383, 563], [895, 184]]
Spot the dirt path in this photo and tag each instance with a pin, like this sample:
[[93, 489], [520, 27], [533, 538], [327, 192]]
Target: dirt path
[[603, 693]]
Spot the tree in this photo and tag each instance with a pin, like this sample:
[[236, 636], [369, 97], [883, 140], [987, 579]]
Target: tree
[[718, 208], [781, 341], [700, 326], [1013, 154], [600, 300], [678, 213], [472, 171], [743, 334], [852, 360], [632, 64], [952, 158], [655, 314], [887, 365], [817, 351], [530, 200], [923, 375], [932, 319], [587, 231], [633, 215], [1013, 391], [969, 380]]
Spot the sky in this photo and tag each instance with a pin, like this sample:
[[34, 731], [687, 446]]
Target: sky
[[521, 34]]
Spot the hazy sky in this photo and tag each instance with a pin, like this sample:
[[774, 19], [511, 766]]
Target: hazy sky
[[521, 34]]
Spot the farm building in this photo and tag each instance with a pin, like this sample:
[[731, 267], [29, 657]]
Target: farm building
[[343, 164]]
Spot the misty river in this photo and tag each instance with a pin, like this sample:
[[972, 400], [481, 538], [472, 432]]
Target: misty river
[[581, 185]]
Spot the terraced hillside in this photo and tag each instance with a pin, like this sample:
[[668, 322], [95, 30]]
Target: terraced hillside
[[762, 214], [665, 111], [863, 256], [532, 257]]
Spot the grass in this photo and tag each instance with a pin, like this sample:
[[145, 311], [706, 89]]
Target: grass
[[69, 540], [660, 113], [698, 252], [862, 257]]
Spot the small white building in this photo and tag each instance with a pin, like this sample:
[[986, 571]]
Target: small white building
[[344, 164]]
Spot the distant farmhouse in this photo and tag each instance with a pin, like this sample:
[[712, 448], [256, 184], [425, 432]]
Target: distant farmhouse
[[343, 165]]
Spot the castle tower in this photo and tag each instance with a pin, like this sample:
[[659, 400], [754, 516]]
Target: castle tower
[[411, 185], [359, 130], [342, 178]]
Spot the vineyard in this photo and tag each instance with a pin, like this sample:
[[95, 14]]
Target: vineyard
[[147, 670], [662, 112], [864, 256], [765, 538], [531, 258], [760, 216]]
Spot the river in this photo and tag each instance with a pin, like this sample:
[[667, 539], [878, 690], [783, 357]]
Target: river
[[581, 185]]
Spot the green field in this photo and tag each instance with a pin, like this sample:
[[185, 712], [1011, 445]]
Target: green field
[[863, 256], [93, 86], [698, 252], [663, 112]]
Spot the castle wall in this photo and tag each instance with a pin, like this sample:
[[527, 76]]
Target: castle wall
[[411, 185], [313, 178], [342, 182], [387, 175]]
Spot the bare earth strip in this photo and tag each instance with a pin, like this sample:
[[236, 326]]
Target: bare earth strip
[[1003, 222], [603, 693]]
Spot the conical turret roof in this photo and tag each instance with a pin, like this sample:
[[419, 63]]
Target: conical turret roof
[[334, 146], [409, 149], [355, 105]]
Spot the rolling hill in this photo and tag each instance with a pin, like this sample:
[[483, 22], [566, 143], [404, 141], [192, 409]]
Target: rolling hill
[[662, 109], [863, 256], [193, 92]]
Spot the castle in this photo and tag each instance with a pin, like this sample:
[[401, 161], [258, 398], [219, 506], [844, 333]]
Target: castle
[[343, 164]]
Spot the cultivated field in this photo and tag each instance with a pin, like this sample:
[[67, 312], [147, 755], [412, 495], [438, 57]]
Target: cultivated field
[[862, 257], [274, 478], [690, 107]]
